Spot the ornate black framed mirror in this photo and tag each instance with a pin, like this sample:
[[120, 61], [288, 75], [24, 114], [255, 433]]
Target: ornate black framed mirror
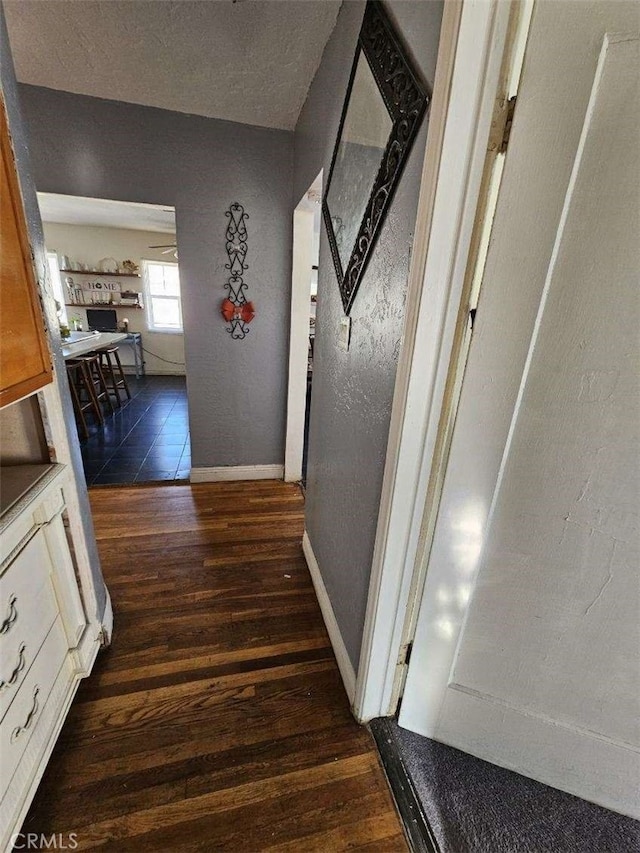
[[383, 108]]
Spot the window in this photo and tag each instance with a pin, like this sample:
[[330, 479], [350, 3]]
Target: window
[[56, 282], [162, 296]]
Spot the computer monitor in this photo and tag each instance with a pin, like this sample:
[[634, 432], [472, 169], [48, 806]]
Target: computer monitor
[[102, 319]]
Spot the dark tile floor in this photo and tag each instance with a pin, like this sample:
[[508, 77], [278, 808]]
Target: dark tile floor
[[146, 440]]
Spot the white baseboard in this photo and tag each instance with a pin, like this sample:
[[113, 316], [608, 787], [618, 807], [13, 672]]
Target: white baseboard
[[339, 649], [237, 472], [130, 370]]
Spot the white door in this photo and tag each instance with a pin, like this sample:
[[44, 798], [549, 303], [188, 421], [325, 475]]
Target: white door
[[526, 650]]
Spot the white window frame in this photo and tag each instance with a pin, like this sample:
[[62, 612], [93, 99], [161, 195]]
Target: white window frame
[[151, 326]]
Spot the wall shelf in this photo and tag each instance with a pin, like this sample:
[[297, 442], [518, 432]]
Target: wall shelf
[[99, 272], [103, 306]]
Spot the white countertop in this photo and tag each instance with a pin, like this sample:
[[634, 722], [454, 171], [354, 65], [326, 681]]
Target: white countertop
[[94, 342]]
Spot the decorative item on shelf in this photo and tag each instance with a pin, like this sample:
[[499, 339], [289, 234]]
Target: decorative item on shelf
[[77, 296], [236, 308], [130, 297], [130, 267], [108, 265]]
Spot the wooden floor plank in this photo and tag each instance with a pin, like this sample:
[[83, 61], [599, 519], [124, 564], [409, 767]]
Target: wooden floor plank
[[217, 720]]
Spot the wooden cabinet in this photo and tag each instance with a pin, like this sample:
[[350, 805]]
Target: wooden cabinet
[[25, 364]]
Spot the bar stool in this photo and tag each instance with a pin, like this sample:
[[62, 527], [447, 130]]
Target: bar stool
[[96, 378], [80, 382], [114, 372]]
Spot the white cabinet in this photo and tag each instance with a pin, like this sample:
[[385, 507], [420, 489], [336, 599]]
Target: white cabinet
[[29, 609], [43, 633]]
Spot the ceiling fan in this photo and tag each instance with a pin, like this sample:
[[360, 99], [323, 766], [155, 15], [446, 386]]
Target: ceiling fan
[[169, 248]]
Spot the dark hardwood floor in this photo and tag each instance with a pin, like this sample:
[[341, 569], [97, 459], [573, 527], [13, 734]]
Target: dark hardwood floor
[[217, 720]]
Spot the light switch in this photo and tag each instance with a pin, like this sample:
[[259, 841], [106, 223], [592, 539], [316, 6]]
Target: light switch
[[344, 333]]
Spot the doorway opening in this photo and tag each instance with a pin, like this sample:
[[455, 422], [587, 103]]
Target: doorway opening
[[115, 276], [304, 294]]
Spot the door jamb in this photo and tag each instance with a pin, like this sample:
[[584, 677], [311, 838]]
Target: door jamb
[[478, 47], [303, 218]]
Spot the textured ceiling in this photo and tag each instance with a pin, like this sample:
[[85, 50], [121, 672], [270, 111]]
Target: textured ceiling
[[75, 210], [250, 61]]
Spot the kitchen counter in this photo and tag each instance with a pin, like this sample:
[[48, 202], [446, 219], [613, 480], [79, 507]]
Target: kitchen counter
[[92, 342]]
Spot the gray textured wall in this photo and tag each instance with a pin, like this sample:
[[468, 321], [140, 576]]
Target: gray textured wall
[[352, 391], [20, 140], [107, 149]]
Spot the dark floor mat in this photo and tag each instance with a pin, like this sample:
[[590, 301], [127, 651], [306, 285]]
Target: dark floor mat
[[475, 807]]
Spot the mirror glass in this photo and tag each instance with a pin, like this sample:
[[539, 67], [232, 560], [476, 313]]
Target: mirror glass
[[365, 132]]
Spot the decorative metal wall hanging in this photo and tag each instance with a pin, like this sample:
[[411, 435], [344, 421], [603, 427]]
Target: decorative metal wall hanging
[[383, 108], [235, 308]]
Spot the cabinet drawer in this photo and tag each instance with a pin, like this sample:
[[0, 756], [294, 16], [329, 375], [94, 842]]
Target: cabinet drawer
[[22, 718], [18, 649], [38, 506], [20, 585]]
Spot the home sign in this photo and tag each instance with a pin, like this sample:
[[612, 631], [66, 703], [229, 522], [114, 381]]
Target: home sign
[[112, 286]]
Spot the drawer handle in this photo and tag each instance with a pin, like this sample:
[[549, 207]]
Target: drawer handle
[[15, 734], [16, 672], [11, 618]]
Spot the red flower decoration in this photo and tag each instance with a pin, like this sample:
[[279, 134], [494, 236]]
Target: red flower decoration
[[230, 311], [247, 312]]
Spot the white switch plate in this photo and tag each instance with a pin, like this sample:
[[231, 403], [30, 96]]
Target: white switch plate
[[344, 333]]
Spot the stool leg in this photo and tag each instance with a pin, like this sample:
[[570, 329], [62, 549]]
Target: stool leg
[[103, 385], [91, 391], [122, 376], [77, 408], [114, 384]]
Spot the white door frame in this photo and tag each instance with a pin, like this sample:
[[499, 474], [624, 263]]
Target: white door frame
[[303, 259], [481, 43]]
